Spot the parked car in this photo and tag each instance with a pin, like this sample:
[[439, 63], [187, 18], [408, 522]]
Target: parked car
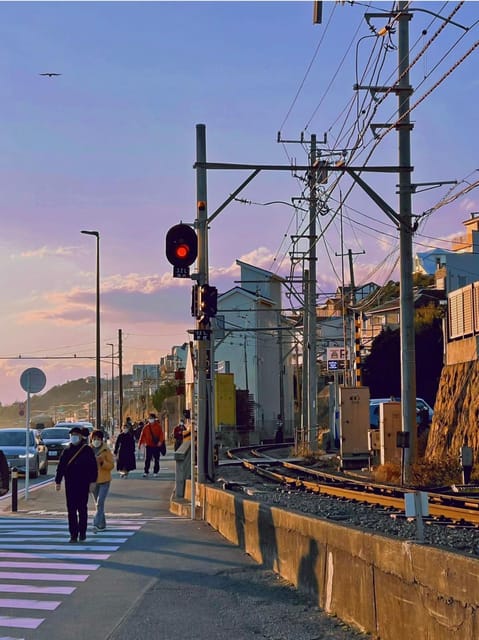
[[14, 446], [56, 439], [374, 403], [70, 425]]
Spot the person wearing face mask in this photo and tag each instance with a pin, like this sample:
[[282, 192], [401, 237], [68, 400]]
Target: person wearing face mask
[[152, 437], [77, 465], [125, 451], [105, 463]]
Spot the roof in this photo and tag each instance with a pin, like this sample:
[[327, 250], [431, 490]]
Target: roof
[[263, 272], [246, 293]]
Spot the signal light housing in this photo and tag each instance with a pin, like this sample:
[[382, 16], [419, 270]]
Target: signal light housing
[[181, 248], [208, 302]]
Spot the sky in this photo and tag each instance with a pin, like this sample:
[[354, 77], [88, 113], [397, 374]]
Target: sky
[[109, 145]]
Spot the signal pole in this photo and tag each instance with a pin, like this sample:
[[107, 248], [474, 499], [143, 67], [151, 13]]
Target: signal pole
[[204, 441]]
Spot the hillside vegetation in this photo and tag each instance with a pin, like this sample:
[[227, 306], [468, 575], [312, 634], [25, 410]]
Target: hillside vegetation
[[62, 402]]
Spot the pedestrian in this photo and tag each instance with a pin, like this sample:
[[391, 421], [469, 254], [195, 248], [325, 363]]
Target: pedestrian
[[105, 463], [125, 451], [152, 437], [178, 434], [137, 433], [77, 465]]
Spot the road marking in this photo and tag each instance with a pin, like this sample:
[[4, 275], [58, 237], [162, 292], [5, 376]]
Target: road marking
[[22, 623], [48, 565], [36, 560], [46, 605]]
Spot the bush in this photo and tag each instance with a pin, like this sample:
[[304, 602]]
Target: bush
[[425, 474]]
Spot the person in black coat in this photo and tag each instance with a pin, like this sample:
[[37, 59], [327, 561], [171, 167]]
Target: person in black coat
[[78, 466], [125, 451]]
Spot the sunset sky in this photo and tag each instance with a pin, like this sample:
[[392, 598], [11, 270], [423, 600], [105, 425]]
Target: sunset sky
[[109, 145]]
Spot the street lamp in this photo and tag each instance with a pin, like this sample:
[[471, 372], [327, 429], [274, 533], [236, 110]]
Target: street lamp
[[110, 344], [98, 372]]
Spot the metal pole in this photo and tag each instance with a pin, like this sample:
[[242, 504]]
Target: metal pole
[[120, 378], [27, 447], [312, 375], [14, 489], [408, 357], [110, 344], [305, 371], [202, 264], [193, 483]]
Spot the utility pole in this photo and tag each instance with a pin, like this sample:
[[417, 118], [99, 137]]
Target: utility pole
[[408, 355], [353, 332], [120, 379], [312, 365], [305, 368]]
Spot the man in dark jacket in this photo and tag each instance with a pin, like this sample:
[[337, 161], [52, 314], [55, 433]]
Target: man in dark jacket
[[78, 466]]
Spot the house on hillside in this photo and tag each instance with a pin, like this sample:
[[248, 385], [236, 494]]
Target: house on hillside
[[387, 315], [457, 268], [255, 344]]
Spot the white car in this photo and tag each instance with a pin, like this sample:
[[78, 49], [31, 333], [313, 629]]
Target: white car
[[374, 409]]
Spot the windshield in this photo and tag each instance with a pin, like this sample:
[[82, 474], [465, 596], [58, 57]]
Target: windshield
[[56, 432], [15, 438]]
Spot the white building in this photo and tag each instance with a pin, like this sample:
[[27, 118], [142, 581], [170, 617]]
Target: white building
[[257, 347]]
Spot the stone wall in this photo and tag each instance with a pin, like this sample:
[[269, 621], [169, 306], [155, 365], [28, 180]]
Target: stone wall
[[456, 411]]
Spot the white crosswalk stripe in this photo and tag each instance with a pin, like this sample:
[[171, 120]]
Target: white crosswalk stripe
[[40, 566]]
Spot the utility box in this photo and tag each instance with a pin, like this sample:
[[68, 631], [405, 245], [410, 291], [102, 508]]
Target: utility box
[[354, 426], [389, 425], [374, 446]]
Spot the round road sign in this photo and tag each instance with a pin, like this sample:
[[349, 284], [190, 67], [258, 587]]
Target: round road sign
[[33, 380]]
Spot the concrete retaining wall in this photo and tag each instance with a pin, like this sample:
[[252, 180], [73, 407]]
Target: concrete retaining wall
[[391, 589]]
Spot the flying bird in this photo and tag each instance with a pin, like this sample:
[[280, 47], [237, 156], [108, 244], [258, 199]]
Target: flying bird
[[50, 75]]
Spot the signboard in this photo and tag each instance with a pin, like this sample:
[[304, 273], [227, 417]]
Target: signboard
[[201, 334], [337, 358], [33, 380], [181, 272]]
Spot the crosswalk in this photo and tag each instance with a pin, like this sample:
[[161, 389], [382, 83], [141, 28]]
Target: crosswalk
[[39, 568]]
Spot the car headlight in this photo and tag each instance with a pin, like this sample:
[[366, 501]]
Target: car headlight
[[24, 455]]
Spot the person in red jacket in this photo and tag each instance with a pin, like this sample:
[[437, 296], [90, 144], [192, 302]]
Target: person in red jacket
[[152, 437]]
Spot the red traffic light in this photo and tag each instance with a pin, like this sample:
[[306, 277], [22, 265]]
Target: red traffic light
[[182, 251], [181, 245]]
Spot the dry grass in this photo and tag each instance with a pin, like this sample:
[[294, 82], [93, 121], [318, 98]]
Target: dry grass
[[425, 474]]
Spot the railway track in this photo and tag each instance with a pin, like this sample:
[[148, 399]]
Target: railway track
[[445, 506]]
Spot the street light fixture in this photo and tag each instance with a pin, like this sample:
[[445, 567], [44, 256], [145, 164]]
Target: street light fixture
[[110, 344], [98, 358]]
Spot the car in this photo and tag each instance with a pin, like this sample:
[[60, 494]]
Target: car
[[78, 423], [14, 446], [56, 439], [421, 405]]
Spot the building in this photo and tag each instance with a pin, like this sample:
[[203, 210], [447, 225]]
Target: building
[[457, 268], [255, 343]]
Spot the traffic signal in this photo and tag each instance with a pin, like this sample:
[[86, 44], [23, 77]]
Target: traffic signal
[[181, 249], [194, 301], [208, 302]]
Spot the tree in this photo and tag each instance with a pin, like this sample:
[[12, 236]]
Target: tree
[[382, 368], [166, 390]]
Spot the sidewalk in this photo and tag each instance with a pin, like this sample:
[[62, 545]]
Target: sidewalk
[[174, 579]]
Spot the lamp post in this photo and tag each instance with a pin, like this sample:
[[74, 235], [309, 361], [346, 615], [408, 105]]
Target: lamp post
[[107, 411], [98, 372], [110, 344]]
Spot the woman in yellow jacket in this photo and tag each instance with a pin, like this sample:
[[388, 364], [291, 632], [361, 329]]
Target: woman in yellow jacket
[[105, 463]]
